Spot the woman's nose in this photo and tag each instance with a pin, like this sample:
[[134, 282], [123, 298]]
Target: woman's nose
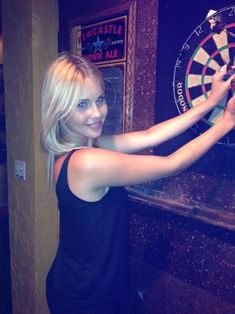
[[96, 111]]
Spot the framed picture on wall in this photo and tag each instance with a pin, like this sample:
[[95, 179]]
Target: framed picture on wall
[[114, 78], [108, 40], [101, 42]]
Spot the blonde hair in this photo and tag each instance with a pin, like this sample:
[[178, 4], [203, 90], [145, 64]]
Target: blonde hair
[[61, 91]]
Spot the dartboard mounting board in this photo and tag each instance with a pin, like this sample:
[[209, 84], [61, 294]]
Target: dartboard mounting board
[[210, 46]]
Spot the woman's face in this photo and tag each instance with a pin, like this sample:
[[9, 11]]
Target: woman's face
[[86, 122]]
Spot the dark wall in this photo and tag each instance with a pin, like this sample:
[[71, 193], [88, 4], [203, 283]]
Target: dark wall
[[179, 265]]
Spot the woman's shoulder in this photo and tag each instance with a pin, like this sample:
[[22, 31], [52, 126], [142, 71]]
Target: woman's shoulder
[[78, 159], [83, 159], [80, 173]]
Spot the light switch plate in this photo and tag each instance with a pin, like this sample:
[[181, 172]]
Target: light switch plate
[[20, 172]]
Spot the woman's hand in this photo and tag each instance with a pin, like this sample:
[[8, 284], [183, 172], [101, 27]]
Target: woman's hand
[[220, 86], [229, 112]]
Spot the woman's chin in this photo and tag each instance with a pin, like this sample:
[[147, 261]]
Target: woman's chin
[[95, 131]]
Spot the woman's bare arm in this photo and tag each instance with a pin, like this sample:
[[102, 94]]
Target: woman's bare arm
[[159, 133], [98, 168]]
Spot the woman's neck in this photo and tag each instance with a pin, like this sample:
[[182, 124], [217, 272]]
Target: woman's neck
[[75, 139]]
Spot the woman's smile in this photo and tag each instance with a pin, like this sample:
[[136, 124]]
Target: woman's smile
[[95, 125]]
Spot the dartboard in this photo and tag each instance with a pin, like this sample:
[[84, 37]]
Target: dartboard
[[209, 46]]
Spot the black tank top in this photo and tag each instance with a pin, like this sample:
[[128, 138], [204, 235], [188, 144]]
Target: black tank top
[[91, 263]]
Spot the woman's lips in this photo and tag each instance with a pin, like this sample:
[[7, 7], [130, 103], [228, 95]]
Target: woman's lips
[[95, 125]]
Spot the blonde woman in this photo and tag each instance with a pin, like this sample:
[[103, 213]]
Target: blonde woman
[[90, 271]]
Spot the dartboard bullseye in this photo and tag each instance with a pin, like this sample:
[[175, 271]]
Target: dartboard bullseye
[[208, 48]]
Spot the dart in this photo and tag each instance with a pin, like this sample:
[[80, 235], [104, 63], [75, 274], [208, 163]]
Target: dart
[[217, 25], [230, 71]]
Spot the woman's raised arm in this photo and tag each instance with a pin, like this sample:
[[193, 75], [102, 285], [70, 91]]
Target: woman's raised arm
[[102, 168], [159, 133]]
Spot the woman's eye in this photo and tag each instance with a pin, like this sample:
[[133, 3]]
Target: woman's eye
[[83, 105], [101, 99]]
